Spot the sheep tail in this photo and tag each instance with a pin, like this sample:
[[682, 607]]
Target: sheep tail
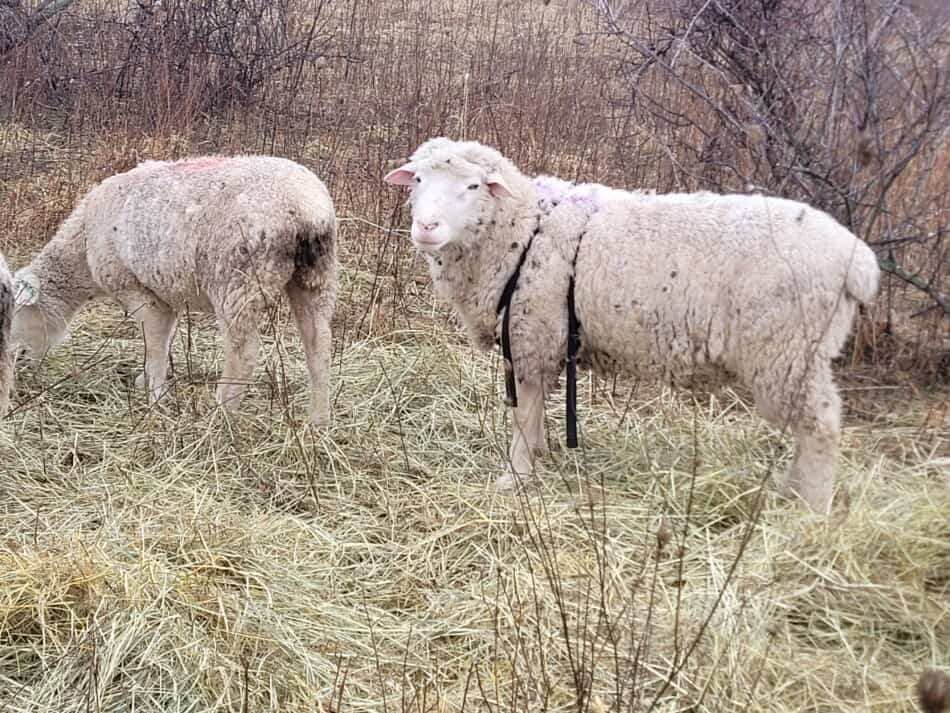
[[314, 253], [863, 275]]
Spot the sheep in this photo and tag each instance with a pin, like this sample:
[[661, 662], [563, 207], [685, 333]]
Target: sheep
[[759, 289], [6, 348], [225, 235]]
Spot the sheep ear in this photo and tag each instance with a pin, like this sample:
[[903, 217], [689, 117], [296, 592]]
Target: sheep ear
[[26, 289], [497, 187], [401, 176]]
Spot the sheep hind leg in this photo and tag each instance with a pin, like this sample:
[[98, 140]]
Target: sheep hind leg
[[527, 428], [815, 428], [312, 316], [240, 357]]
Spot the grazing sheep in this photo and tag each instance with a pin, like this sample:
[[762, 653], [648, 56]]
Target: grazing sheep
[[6, 348], [215, 234], [760, 289]]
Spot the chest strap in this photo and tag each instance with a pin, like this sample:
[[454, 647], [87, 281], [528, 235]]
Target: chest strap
[[573, 341], [573, 346], [504, 304]]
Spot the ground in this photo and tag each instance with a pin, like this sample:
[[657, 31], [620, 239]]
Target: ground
[[178, 560]]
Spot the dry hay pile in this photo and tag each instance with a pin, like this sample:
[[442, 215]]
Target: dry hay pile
[[175, 561]]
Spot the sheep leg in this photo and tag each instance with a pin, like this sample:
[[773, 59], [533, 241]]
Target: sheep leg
[[157, 321], [240, 358], [528, 427], [813, 417], [158, 325], [313, 323], [540, 438], [816, 433], [7, 358]]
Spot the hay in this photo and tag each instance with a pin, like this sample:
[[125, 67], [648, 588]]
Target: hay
[[171, 560]]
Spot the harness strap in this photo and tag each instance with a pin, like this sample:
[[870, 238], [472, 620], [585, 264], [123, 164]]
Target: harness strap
[[573, 340], [573, 346], [504, 303]]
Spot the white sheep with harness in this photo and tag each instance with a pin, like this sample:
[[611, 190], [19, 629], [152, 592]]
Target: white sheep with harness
[[760, 289]]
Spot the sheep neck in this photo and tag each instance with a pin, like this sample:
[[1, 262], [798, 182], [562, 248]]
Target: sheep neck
[[66, 282], [472, 273]]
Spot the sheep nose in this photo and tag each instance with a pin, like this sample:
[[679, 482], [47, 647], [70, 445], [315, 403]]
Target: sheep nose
[[429, 227]]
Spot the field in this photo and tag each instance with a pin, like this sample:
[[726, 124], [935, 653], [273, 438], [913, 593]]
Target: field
[[176, 560]]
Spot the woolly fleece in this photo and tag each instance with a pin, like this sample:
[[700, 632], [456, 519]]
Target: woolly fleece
[[226, 235], [755, 288], [6, 348]]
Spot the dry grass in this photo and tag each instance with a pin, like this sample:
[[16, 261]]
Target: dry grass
[[176, 561]]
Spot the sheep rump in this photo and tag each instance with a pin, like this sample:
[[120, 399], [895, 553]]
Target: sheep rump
[[759, 289], [6, 347], [226, 235]]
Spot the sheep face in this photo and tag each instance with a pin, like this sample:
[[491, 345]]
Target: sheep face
[[36, 327], [450, 199]]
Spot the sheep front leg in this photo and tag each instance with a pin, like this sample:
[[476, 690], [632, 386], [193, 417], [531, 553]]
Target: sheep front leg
[[240, 358], [526, 438], [312, 315], [158, 324], [7, 358]]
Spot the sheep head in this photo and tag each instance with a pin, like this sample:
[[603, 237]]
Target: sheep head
[[454, 189], [37, 327]]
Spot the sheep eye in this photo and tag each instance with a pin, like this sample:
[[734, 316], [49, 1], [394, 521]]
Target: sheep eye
[[418, 180], [474, 186]]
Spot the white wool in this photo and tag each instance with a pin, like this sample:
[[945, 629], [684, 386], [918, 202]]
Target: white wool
[[6, 347], [226, 235], [758, 289]]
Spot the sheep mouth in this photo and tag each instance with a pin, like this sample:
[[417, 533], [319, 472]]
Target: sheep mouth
[[428, 244]]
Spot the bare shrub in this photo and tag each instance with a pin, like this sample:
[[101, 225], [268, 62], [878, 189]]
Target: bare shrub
[[219, 52], [163, 57]]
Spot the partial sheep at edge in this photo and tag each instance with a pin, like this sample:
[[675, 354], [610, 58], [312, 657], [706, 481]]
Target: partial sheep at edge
[[6, 348]]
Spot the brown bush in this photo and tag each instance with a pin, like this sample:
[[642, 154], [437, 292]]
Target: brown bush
[[844, 109]]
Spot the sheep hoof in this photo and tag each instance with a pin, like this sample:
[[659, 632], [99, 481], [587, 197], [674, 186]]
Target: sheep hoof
[[229, 398], [320, 420], [155, 396], [818, 502], [511, 482]]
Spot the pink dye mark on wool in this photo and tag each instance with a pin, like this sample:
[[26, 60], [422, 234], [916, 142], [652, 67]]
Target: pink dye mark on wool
[[551, 191], [585, 197]]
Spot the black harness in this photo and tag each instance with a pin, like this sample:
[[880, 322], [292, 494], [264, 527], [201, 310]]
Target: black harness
[[573, 341]]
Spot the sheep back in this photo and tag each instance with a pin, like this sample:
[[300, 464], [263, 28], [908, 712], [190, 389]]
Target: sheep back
[[676, 282], [201, 232]]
